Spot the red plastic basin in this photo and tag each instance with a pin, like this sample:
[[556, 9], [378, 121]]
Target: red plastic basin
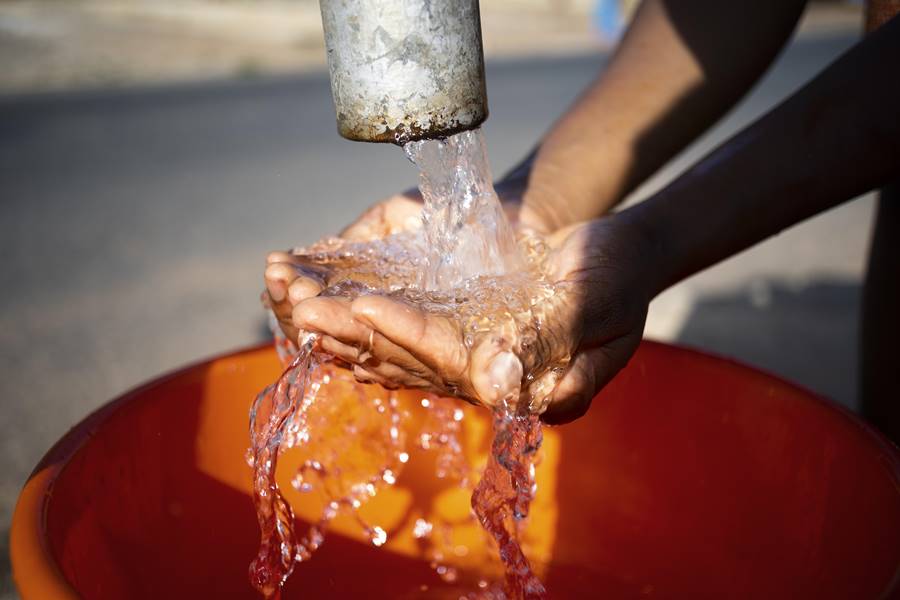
[[690, 477]]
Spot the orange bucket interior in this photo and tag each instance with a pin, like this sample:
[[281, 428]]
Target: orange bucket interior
[[690, 477]]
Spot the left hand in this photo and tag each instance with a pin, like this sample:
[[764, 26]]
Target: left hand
[[289, 278], [597, 318]]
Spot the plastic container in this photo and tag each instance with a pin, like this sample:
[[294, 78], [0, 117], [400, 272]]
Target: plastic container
[[690, 477]]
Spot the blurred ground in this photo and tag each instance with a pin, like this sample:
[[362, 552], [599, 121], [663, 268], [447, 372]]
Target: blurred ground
[[134, 224], [46, 44], [54, 45]]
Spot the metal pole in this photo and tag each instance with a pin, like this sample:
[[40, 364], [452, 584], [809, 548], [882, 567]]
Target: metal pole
[[405, 70]]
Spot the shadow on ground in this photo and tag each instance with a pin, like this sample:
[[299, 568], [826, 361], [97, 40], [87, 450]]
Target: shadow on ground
[[805, 332]]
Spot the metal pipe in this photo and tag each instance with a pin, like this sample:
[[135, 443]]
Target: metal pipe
[[404, 70]]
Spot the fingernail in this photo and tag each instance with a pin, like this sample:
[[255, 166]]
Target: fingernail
[[303, 288], [276, 290], [505, 375], [362, 375]]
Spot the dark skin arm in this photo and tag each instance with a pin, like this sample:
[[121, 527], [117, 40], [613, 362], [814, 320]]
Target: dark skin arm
[[673, 76], [679, 68], [835, 139]]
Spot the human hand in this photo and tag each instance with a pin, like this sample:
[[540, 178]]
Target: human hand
[[597, 317], [289, 278]]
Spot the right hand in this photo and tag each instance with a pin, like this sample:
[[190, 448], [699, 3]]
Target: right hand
[[289, 280], [606, 267]]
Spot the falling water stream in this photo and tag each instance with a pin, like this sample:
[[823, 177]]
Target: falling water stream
[[465, 263]]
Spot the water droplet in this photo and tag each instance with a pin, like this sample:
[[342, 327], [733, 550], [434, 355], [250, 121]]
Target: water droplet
[[421, 528], [378, 536], [410, 265], [448, 574]]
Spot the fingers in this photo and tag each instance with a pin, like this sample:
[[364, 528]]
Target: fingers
[[588, 372], [399, 213], [389, 375], [303, 287], [345, 352], [432, 340], [288, 282], [330, 316], [574, 392], [278, 277], [279, 256], [363, 375], [493, 374], [381, 356], [357, 343], [341, 336]]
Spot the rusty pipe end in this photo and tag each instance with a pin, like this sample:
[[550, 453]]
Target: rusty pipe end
[[408, 130], [405, 70]]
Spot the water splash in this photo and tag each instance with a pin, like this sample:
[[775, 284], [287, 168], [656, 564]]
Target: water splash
[[275, 408], [467, 264], [466, 232], [503, 496], [352, 444]]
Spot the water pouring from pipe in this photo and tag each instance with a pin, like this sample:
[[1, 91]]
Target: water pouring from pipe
[[412, 73]]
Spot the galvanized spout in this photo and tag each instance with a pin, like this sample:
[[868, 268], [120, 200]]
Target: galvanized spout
[[404, 70]]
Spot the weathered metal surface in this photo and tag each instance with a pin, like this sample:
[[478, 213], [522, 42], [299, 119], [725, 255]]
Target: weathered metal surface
[[405, 70]]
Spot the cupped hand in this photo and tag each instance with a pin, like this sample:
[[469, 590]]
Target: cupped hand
[[601, 269], [289, 278]]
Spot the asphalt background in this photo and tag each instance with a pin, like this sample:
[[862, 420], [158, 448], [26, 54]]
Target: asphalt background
[[134, 225]]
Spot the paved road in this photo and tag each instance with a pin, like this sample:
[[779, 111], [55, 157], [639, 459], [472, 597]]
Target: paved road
[[133, 227]]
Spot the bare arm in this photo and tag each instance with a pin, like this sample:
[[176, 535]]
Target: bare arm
[[835, 139], [681, 66]]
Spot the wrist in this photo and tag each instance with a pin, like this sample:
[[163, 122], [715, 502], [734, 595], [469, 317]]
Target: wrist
[[651, 238]]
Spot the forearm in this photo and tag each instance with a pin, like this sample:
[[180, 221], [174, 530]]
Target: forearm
[[681, 65], [835, 139]]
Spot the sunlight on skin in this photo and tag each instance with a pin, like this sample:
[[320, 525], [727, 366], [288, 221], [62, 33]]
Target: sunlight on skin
[[398, 345]]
